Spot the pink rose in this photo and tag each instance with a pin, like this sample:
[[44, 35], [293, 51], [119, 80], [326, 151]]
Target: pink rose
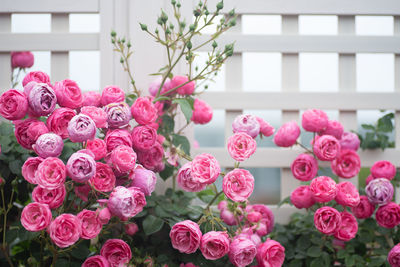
[[254, 217], [205, 169], [266, 225], [348, 228], [350, 141], [98, 148], [28, 131], [388, 216], [327, 220], [265, 128], [58, 121], [81, 128], [287, 134], [145, 180], [186, 265], [314, 120], [91, 225], [69, 94], [53, 197], [214, 245], [13, 105], [242, 251], [104, 179], [65, 230], [202, 112], [185, 89], [23, 59], [117, 252], [383, 169], [118, 115], [246, 123], [364, 209], [228, 217], [347, 194], [238, 185], [29, 169], [117, 137], [36, 217], [42, 100], [81, 167], [123, 158], [36, 76], [48, 145], [126, 202], [96, 261], [82, 191], [302, 197], [347, 164], [152, 158], [155, 85], [270, 254], [104, 215], [323, 189], [51, 173], [326, 148], [304, 167], [143, 137], [241, 146], [131, 229], [98, 115], [186, 181], [369, 179], [394, 256], [144, 111], [334, 129], [112, 94], [186, 236], [91, 99]]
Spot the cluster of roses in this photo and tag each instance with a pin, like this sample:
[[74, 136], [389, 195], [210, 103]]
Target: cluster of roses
[[252, 221]]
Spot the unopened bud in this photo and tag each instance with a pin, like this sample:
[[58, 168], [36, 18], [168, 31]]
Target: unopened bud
[[232, 13], [121, 60], [220, 5], [192, 27], [143, 26], [173, 2], [189, 45], [196, 12], [113, 33], [214, 44]]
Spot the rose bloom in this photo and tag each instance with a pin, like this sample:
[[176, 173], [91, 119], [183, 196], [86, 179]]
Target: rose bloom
[[81, 167], [65, 230], [394, 256], [36, 76], [202, 112], [155, 85], [98, 148], [326, 148], [304, 167], [145, 180], [36, 217], [347, 194], [81, 128], [287, 134], [91, 98], [350, 141], [23, 59], [241, 146], [144, 111], [143, 137], [186, 89], [104, 215], [348, 228], [214, 245], [69, 94], [323, 189], [246, 123], [227, 217], [91, 225], [347, 164], [123, 159], [117, 252], [334, 129], [270, 254], [266, 225], [265, 128], [13, 105], [126, 202], [28, 131], [327, 220], [104, 179], [42, 100], [118, 115], [96, 261], [314, 120], [112, 94], [53, 197], [131, 229], [58, 121], [117, 137], [238, 185], [186, 236], [205, 169], [379, 191], [302, 197], [98, 115], [51, 173], [82, 191], [152, 158], [48, 145], [186, 181], [388, 216], [364, 209], [29, 169], [383, 169]]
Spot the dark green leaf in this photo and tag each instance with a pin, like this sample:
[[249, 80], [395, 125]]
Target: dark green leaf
[[161, 98], [284, 201], [81, 251], [186, 107], [152, 224], [314, 251], [318, 262], [368, 127], [167, 172], [168, 123], [15, 166], [182, 142]]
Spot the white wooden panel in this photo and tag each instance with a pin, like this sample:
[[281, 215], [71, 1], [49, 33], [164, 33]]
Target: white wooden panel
[[5, 59], [396, 31], [49, 6], [59, 60], [105, 46]]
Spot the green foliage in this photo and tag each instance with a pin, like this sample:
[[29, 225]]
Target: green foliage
[[378, 135]]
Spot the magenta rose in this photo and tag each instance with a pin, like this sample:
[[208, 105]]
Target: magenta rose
[[327, 220], [91, 99], [287, 134], [112, 94], [350, 141], [334, 129], [23, 59], [36, 217], [145, 180], [394, 256], [104, 215], [58, 121], [348, 228], [98, 115], [29, 169], [131, 229], [302, 197], [65, 230], [152, 158], [246, 123], [96, 261], [144, 111], [241, 146], [304, 167], [214, 245], [98, 148], [185, 236], [379, 191], [91, 225], [186, 87], [383, 169], [205, 169], [238, 185], [347, 164], [314, 120], [53, 197], [143, 137], [28, 131], [48, 145], [323, 189], [117, 252], [42, 100], [117, 137], [69, 94], [126, 202], [118, 114], [364, 209], [265, 128], [104, 179], [81, 128], [186, 181], [51, 173], [347, 194], [123, 159], [13, 105], [326, 148], [36, 76], [270, 254], [202, 112], [388, 216], [81, 167]]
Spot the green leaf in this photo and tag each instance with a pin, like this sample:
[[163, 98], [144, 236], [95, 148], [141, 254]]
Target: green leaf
[[167, 172], [341, 254], [385, 123], [368, 127], [15, 166], [206, 195], [318, 262], [182, 142], [168, 123], [284, 201], [314, 251], [81, 251], [161, 98], [186, 108], [160, 212], [349, 261], [152, 224]]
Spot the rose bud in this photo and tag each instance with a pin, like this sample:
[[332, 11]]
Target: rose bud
[[81, 128], [265, 128], [131, 229], [104, 215], [302, 197], [314, 120], [13, 105], [246, 123], [48, 145], [202, 112], [350, 141], [228, 217], [287, 134], [23, 59]]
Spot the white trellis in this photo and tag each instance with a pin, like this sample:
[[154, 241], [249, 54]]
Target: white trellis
[[124, 15]]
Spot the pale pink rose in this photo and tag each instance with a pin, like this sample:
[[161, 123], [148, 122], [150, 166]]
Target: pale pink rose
[[123, 158], [104, 215], [13, 105], [155, 85], [91, 99], [98, 148], [185, 89], [126, 202], [287, 134], [394, 256], [28, 131], [96, 261], [350, 141], [118, 115], [82, 191], [104, 178], [65, 230], [117, 137], [304, 167], [186, 181], [347, 164], [347, 194], [143, 137], [302, 197], [98, 115], [36, 216], [214, 245], [238, 185], [334, 128], [22, 59], [117, 252], [53, 197], [48, 145], [58, 121], [144, 111], [185, 236], [388, 216], [327, 220], [241, 146], [228, 217], [223, 204], [112, 94], [270, 254], [246, 123], [265, 128], [326, 148], [383, 169], [348, 228], [202, 112], [81, 128], [242, 251], [29, 169], [81, 167], [205, 169], [323, 189], [36, 76], [51, 173], [69, 94], [145, 180], [152, 159], [131, 229], [314, 120], [364, 209], [91, 225]]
